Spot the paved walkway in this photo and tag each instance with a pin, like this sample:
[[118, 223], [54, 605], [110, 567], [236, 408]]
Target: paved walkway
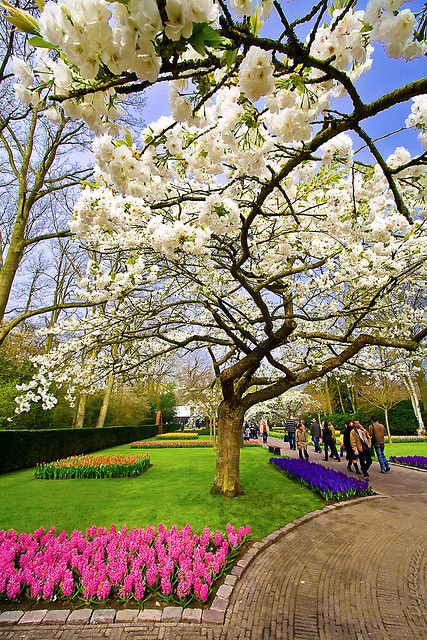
[[356, 573]]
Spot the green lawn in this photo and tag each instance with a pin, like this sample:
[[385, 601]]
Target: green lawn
[[174, 491], [406, 449]]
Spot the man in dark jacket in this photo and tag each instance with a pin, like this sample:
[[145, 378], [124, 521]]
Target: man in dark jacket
[[315, 435], [291, 425]]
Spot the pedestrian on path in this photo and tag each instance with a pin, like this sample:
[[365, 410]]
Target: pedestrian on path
[[315, 435], [291, 425], [302, 440], [329, 441], [352, 459], [360, 441], [377, 433], [264, 431]]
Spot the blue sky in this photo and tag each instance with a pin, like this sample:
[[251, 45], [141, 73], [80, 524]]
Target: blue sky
[[386, 74]]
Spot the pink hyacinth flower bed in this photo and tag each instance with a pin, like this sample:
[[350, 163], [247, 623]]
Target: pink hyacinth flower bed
[[174, 565]]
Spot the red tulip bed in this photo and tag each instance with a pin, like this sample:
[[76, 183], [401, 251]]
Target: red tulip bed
[[180, 444], [173, 565], [89, 467]]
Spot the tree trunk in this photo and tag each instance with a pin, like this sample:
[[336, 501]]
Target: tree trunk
[[422, 384], [106, 402], [352, 395], [80, 418], [421, 431], [340, 397], [387, 424], [227, 478], [10, 266], [328, 398]]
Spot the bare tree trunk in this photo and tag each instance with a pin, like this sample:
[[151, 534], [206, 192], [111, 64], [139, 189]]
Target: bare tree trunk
[[81, 410], [105, 402], [387, 424], [340, 397], [422, 384], [227, 477], [415, 405], [352, 395], [328, 397]]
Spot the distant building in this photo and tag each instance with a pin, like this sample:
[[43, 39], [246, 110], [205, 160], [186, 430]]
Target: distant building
[[183, 414]]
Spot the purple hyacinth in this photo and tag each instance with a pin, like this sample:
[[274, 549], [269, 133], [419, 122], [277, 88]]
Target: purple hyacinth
[[331, 484], [412, 461]]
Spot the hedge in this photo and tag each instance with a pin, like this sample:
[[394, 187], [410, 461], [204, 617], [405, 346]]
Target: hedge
[[25, 448]]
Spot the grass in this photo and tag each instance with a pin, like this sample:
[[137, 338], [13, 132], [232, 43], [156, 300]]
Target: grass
[[406, 449], [174, 491]]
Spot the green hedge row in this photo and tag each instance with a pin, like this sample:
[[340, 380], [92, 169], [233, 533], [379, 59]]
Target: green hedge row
[[25, 448]]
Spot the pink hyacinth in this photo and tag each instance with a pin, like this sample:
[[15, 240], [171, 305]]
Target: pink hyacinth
[[101, 563], [204, 592]]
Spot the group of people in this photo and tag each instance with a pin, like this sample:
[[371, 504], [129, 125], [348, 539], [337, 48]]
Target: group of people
[[355, 441], [251, 430]]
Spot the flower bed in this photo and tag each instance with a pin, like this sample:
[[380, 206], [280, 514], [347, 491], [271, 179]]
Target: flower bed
[[154, 444], [180, 435], [410, 461], [85, 466], [330, 484], [168, 444], [173, 564]]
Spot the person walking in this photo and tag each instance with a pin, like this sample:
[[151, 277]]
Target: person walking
[[291, 425], [360, 441], [329, 441], [264, 431], [302, 440], [377, 433], [315, 435], [352, 460]]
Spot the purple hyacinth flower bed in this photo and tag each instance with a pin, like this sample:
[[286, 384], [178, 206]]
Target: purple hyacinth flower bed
[[410, 461], [330, 484]]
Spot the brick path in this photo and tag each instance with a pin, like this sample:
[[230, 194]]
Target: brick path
[[356, 573]]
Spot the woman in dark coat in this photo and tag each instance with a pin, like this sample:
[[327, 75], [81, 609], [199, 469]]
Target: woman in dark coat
[[350, 457], [329, 441]]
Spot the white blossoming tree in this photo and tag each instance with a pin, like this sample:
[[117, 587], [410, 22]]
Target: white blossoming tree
[[249, 223]]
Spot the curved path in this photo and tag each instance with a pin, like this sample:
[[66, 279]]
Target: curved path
[[355, 573]]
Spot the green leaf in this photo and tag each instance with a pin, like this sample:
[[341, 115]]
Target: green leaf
[[128, 138], [255, 23], [204, 36], [38, 41], [40, 4], [230, 57]]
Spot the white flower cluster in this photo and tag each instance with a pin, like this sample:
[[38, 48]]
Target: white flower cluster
[[220, 215], [96, 36], [344, 43], [394, 28], [418, 117], [256, 74], [25, 75]]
